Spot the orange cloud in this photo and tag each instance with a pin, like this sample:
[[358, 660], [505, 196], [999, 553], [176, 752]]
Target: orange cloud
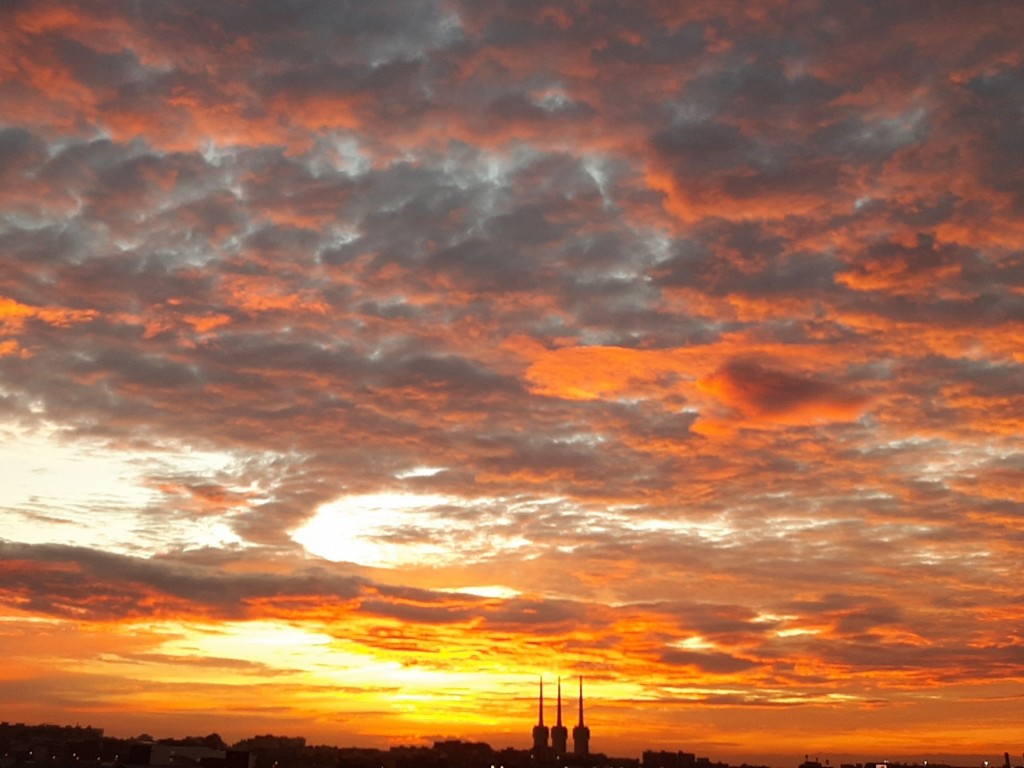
[[10, 347], [14, 315], [591, 373], [259, 294], [719, 374], [775, 395]]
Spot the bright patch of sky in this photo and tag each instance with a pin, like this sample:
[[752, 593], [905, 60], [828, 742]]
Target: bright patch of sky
[[310, 653], [496, 591], [54, 490], [419, 472], [388, 530], [394, 529]]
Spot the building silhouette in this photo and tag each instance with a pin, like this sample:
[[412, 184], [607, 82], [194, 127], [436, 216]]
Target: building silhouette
[[540, 731], [581, 734], [559, 734]]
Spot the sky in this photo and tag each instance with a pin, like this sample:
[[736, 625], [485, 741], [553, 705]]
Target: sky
[[362, 363]]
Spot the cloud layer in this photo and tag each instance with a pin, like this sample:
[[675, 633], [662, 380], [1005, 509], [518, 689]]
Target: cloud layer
[[456, 343]]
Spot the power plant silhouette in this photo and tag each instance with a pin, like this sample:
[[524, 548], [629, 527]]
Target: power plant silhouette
[[559, 734]]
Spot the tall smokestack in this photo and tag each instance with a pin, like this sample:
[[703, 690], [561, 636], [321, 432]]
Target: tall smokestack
[[540, 731], [581, 700], [581, 734], [540, 704], [559, 734], [560, 709]]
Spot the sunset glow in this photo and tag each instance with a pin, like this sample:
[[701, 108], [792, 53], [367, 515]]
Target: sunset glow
[[363, 362]]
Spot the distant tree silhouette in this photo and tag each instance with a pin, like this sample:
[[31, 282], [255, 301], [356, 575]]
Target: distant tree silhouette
[[214, 741]]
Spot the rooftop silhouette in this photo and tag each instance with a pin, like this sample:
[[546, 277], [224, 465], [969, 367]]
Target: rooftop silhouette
[[66, 746]]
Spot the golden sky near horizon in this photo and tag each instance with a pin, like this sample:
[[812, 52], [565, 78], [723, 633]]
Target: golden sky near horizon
[[362, 362]]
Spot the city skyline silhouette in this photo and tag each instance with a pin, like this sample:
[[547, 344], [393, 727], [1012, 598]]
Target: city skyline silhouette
[[66, 746]]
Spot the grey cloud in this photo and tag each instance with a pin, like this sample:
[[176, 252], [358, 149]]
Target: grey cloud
[[703, 147], [421, 614], [744, 257], [659, 48], [98, 69], [204, 586], [519, 107], [998, 99], [860, 143], [20, 150], [798, 176], [337, 28], [715, 663]]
